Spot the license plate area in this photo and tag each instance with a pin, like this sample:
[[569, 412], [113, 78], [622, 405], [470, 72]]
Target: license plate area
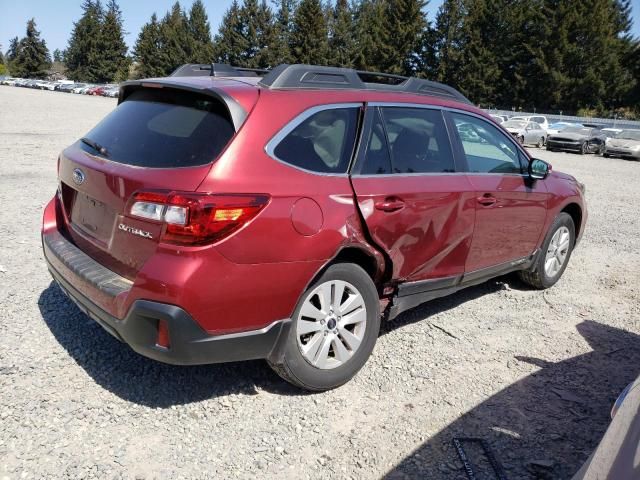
[[92, 218]]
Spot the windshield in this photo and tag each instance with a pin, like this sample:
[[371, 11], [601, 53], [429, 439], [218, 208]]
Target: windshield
[[515, 124], [629, 135], [162, 129]]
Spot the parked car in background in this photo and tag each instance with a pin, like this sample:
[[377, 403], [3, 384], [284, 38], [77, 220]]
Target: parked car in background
[[539, 119], [498, 118], [162, 196], [559, 126], [611, 132], [625, 144], [111, 92], [578, 139], [530, 133]]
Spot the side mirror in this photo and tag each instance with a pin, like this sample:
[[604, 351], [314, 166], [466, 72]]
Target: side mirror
[[538, 169]]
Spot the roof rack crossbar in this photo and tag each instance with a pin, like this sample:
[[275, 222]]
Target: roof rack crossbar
[[216, 70]]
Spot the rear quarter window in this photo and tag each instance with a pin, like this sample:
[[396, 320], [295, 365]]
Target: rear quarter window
[[164, 128], [322, 142]]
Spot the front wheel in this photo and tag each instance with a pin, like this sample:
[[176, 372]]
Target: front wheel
[[540, 143], [554, 255], [333, 330], [584, 148]]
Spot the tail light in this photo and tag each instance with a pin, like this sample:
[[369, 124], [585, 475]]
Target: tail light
[[196, 218]]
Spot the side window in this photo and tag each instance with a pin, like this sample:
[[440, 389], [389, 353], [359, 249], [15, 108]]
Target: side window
[[321, 143], [377, 160], [418, 140], [486, 148]]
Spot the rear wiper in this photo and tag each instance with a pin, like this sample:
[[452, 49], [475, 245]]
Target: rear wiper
[[95, 145]]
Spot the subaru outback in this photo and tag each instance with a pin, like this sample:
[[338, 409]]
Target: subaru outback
[[221, 214]]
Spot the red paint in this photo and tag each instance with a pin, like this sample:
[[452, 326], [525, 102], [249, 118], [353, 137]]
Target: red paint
[[416, 226]]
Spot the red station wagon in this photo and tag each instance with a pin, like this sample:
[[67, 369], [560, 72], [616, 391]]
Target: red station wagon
[[216, 215]]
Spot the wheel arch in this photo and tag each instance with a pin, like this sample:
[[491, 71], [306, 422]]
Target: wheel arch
[[575, 212]]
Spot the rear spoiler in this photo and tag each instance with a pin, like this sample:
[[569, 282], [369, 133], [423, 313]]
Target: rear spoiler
[[236, 112]]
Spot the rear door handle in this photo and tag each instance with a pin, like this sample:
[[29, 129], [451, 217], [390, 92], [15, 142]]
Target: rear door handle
[[487, 200], [391, 204]]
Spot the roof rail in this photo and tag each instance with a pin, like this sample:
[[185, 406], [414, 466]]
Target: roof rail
[[215, 70], [314, 77]]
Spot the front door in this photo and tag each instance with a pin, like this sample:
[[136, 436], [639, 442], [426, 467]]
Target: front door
[[510, 208], [417, 206]]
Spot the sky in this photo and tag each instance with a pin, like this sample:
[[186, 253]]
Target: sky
[[55, 17]]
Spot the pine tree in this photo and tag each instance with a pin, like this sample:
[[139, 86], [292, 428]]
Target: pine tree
[[230, 43], [83, 52], [177, 42], [281, 46], [259, 32], [147, 51], [405, 23], [32, 59], [341, 35], [12, 52], [57, 55], [114, 63], [200, 30], [449, 41], [371, 50], [309, 34]]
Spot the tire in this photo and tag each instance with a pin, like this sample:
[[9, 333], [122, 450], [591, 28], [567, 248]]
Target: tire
[[521, 139], [601, 150], [540, 143], [540, 277], [326, 372], [584, 148]]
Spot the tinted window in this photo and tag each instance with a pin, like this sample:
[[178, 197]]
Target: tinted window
[[321, 143], [163, 128], [538, 119], [418, 140], [377, 159], [486, 148]]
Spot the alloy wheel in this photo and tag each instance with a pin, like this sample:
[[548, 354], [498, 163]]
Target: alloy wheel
[[557, 251], [331, 324]]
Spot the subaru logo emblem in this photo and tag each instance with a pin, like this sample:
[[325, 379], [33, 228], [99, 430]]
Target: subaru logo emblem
[[78, 176]]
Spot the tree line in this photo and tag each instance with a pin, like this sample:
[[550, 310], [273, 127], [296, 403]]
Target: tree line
[[543, 54]]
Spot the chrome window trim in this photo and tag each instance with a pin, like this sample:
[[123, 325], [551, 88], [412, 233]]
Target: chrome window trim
[[297, 120]]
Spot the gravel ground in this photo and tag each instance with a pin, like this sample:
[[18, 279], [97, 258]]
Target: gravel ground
[[534, 374]]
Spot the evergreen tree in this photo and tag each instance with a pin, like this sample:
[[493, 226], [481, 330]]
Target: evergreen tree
[[32, 59], [114, 63], [231, 44], [281, 46], [309, 33], [146, 52], [57, 55], [259, 32], [371, 50], [177, 42], [202, 46], [405, 23], [449, 41], [12, 52], [83, 52], [341, 36]]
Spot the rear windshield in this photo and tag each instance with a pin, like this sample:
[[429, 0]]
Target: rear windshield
[[162, 128]]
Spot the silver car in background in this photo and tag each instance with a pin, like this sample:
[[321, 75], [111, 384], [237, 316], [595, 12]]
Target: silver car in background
[[530, 133], [625, 144]]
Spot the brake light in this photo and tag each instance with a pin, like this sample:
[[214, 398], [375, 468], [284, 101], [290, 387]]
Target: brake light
[[196, 218]]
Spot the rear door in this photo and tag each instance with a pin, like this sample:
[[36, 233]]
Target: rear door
[[510, 208], [416, 205], [157, 139]]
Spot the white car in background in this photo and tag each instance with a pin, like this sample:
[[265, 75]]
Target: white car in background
[[539, 119], [530, 133], [498, 118], [556, 127]]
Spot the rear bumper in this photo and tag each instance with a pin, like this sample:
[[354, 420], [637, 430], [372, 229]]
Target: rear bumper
[[189, 343]]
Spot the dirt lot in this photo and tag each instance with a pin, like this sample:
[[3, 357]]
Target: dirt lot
[[534, 374]]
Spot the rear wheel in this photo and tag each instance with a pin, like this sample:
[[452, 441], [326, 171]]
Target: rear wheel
[[554, 255], [334, 329], [540, 143], [521, 139]]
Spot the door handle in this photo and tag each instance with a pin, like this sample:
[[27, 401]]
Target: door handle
[[487, 200], [391, 204]]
